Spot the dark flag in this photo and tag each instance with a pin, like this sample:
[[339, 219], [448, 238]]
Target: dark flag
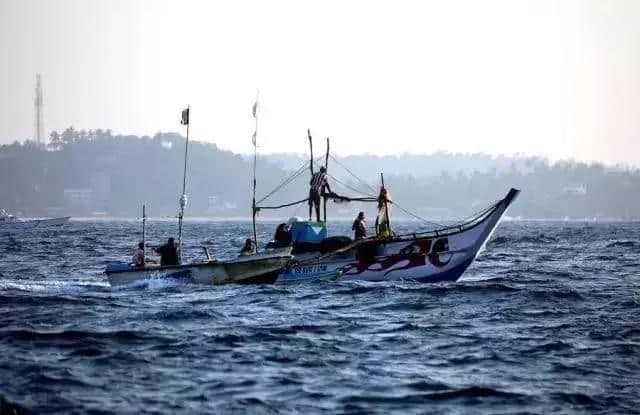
[[185, 117]]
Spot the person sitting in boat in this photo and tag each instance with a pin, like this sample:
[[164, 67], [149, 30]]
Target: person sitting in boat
[[282, 237], [319, 183], [359, 229], [168, 253], [248, 248], [138, 256]]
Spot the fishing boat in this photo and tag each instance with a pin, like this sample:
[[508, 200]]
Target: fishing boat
[[442, 253], [256, 268], [436, 255], [11, 223]]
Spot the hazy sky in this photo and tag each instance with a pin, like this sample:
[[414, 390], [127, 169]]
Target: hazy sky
[[553, 78]]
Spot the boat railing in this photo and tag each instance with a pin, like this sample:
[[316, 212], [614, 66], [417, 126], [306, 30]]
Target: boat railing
[[461, 226]]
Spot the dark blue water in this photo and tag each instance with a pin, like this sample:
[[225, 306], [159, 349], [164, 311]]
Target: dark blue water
[[546, 321]]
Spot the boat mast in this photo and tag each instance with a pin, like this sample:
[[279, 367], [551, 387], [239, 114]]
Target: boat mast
[[386, 206], [326, 166], [183, 198], [144, 219], [255, 158], [311, 151]]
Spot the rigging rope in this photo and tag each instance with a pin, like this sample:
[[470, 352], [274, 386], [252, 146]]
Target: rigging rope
[[479, 213], [369, 196], [282, 206], [285, 182], [416, 216], [353, 174]]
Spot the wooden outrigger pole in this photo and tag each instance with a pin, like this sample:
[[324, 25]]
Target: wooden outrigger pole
[[255, 158], [183, 198]]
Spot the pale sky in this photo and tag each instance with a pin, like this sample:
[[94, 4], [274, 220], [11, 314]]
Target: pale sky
[[554, 78]]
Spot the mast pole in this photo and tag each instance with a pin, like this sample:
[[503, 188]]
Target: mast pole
[[255, 158], [386, 206], [183, 198], [326, 166], [144, 219], [311, 151]]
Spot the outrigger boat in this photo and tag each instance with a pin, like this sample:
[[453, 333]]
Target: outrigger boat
[[257, 268], [440, 254], [10, 222], [254, 269]]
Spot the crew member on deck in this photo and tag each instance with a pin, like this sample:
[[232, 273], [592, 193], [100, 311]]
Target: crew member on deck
[[282, 237], [138, 256], [168, 253], [248, 248], [319, 183], [359, 229]]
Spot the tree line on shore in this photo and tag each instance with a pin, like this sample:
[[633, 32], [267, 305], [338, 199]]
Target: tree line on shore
[[88, 172]]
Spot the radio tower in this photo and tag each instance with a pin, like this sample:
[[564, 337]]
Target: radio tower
[[38, 104]]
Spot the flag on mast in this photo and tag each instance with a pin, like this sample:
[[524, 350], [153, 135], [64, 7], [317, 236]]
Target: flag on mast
[[254, 110], [185, 117]]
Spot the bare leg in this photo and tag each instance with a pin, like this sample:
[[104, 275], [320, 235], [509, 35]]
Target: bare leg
[[310, 210], [318, 211]]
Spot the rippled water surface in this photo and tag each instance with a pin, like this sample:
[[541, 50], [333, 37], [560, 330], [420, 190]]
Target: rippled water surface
[[546, 320]]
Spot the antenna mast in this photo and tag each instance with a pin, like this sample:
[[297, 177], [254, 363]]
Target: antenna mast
[[39, 136]]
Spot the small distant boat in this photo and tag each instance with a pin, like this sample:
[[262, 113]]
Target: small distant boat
[[10, 222]]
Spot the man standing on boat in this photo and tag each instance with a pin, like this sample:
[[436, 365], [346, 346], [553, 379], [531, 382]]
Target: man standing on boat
[[319, 183], [168, 253], [359, 229]]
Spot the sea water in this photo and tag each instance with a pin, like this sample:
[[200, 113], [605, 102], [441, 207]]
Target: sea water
[[546, 320]]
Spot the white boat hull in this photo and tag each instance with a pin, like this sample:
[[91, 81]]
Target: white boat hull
[[442, 255]]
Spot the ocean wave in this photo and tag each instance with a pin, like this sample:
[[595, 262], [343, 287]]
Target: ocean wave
[[462, 394], [531, 309], [622, 244], [526, 239], [74, 335], [580, 399]]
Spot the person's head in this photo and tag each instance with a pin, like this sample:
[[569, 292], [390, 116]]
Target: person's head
[[170, 242], [141, 246], [248, 242], [361, 215], [323, 170]]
